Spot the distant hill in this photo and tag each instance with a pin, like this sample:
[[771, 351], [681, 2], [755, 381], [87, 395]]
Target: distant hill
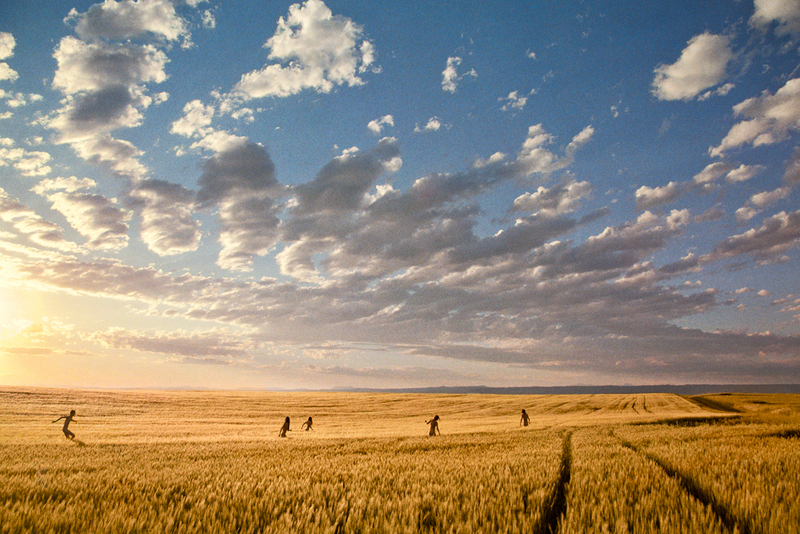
[[684, 389]]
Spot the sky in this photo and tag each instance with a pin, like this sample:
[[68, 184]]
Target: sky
[[328, 194]]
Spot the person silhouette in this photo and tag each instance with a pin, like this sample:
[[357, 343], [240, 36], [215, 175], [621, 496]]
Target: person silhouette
[[284, 429], [525, 419], [307, 424], [67, 420], [434, 425]]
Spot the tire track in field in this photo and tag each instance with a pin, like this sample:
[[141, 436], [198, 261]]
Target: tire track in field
[[556, 503], [728, 518]]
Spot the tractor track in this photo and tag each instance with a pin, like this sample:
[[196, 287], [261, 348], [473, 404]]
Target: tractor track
[[728, 518]]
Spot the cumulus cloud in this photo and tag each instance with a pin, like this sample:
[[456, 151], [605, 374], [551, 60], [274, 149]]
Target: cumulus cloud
[[125, 20], [777, 235], [513, 101], [196, 120], [28, 163], [703, 64], [342, 184], [450, 76], [313, 50], [7, 44], [94, 216], [768, 119], [167, 223], [241, 183], [104, 76], [533, 157], [434, 124], [791, 175], [562, 198], [784, 14], [27, 222], [376, 126], [650, 197]]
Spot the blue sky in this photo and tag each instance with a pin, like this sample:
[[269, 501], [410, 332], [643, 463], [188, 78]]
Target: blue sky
[[327, 194]]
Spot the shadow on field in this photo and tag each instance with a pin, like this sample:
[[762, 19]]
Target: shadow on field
[[693, 421], [786, 434], [711, 404]]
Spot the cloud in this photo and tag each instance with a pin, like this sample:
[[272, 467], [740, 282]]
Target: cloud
[[342, 184], [105, 82], [533, 157], [767, 198], [7, 44], [94, 216], [211, 347], [784, 14], [27, 222], [650, 197], [703, 64], [70, 185], [434, 124], [196, 120], [125, 20], [241, 183], [562, 198], [167, 224], [28, 163], [315, 50], [792, 174], [743, 172], [376, 126], [777, 235], [513, 101], [95, 66], [768, 119], [450, 77]]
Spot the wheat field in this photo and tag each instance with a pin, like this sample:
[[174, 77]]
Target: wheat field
[[155, 461]]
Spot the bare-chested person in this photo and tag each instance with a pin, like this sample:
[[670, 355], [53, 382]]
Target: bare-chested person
[[525, 419], [434, 425], [307, 425], [284, 429], [67, 420]]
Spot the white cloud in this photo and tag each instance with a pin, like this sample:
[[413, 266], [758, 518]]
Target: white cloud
[[94, 216], [785, 13], [513, 101], [776, 236], [167, 224], [650, 197], [533, 157], [434, 124], [450, 76], [28, 163], [557, 200], [703, 64], [26, 221], [125, 20], [70, 185], [196, 120], [745, 213], [315, 50], [7, 44], [376, 126], [743, 172], [767, 198], [768, 119]]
